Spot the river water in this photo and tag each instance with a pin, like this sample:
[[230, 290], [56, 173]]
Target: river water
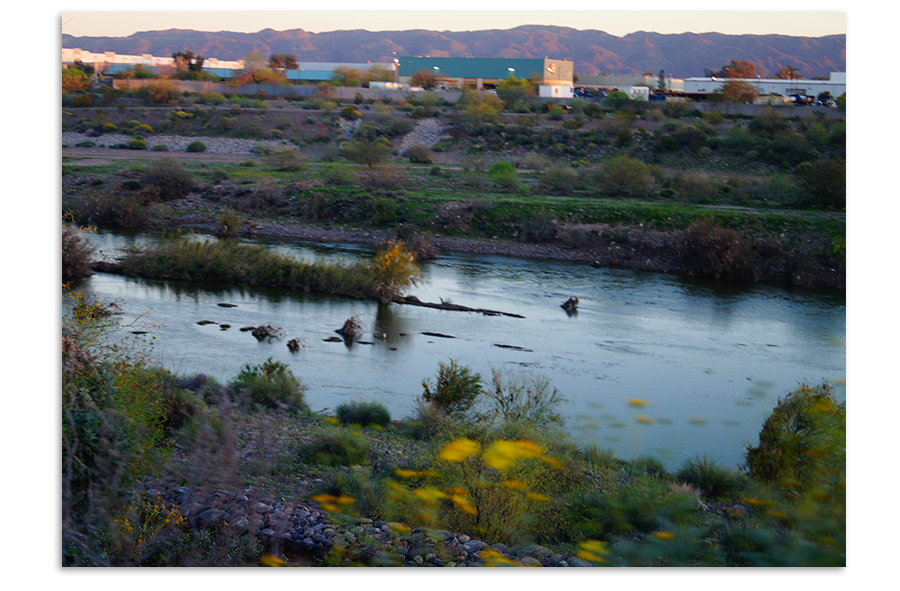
[[707, 359]]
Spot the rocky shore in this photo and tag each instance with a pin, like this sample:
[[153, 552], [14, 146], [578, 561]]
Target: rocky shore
[[306, 533]]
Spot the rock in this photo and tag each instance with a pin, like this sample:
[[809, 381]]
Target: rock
[[228, 305], [575, 561], [570, 304], [529, 561], [293, 345]]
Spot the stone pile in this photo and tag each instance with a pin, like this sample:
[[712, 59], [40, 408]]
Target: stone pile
[[294, 529], [427, 132]]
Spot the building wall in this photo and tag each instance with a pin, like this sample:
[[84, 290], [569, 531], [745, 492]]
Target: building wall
[[836, 85], [477, 72], [619, 81]]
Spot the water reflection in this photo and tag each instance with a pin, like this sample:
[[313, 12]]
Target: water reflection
[[710, 357]]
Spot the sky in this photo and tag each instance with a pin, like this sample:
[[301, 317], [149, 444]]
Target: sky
[[785, 18]]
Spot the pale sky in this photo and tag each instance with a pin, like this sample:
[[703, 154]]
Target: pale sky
[[785, 18]]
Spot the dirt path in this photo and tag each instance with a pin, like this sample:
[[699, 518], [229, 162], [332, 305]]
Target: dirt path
[[104, 156]]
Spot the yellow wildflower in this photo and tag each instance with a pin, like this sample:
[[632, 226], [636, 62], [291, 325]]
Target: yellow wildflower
[[637, 402], [332, 420], [269, 560], [593, 551], [459, 450], [501, 454], [464, 504], [513, 484], [643, 419], [493, 558], [406, 473], [663, 535], [430, 495], [540, 498]]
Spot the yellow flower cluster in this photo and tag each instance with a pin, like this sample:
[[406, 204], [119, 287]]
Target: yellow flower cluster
[[332, 502]]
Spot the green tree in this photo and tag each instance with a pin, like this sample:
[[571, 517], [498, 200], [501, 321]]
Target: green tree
[[75, 80], [368, 152], [477, 107], [346, 76], [456, 391], [513, 89]]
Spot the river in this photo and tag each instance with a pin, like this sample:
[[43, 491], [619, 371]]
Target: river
[[707, 360]]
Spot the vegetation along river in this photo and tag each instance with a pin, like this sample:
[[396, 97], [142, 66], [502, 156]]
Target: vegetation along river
[[708, 360]]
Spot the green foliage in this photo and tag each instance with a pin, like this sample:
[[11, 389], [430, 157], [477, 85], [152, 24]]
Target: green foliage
[[456, 390], [196, 146], [713, 480], [270, 383], [504, 174], [335, 447], [167, 175], [232, 262], [137, 144], [367, 152], [624, 175], [825, 183], [419, 153], [802, 445], [350, 113], [363, 413]]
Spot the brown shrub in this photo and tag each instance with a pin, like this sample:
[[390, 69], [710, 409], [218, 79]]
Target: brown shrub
[[76, 254], [712, 251]]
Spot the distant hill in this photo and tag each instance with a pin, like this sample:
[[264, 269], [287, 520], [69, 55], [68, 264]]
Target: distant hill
[[594, 52]]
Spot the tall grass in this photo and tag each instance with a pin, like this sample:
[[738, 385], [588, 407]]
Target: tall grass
[[228, 261]]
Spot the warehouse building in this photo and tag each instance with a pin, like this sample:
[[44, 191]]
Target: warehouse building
[[836, 84], [481, 73]]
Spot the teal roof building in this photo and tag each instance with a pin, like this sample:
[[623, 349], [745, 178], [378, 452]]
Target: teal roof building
[[486, 72]]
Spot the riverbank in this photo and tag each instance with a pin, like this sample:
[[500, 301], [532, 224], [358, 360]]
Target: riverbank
[[643, 250]]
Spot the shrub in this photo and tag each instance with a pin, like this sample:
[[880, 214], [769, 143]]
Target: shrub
[[395, 269], [802, 445], [284, 158], [196, 146], [713, 480], [363, 414], [167, 175], [825, 183], [270, 383], [520, 397], [419, 153], [712, 251], [539, 228], [76, 254], [351, 113], [336, 447], [504, 174], [336, 174], [624, 175], [108, 128], [229, 224], [384, 211], [141, 129], [456, 390], [161, 92], [137, 144], [560, 179]]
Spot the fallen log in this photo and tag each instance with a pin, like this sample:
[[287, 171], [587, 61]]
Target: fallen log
[[414, 301]]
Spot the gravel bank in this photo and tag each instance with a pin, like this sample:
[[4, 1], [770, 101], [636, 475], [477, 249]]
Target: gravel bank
[[173, 143], [297, 530]]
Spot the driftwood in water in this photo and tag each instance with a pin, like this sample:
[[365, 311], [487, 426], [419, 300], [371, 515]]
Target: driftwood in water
[[414, 301]]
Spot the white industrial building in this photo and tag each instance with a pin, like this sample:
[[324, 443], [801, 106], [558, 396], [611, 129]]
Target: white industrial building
[[836, 85]]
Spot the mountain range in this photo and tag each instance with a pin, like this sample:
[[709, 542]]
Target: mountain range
[[594, 52]]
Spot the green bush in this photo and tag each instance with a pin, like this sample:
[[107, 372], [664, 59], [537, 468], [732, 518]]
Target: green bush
[[457, 388], [802, 445], [824, 182], [169, 177], [137, 144], [713, 480], [270, 383], [623, 175], [108, 128], [196, 146], [363, 414], [560, 179], [335, 447], [141, 129], [504, 174], [419, 153]]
